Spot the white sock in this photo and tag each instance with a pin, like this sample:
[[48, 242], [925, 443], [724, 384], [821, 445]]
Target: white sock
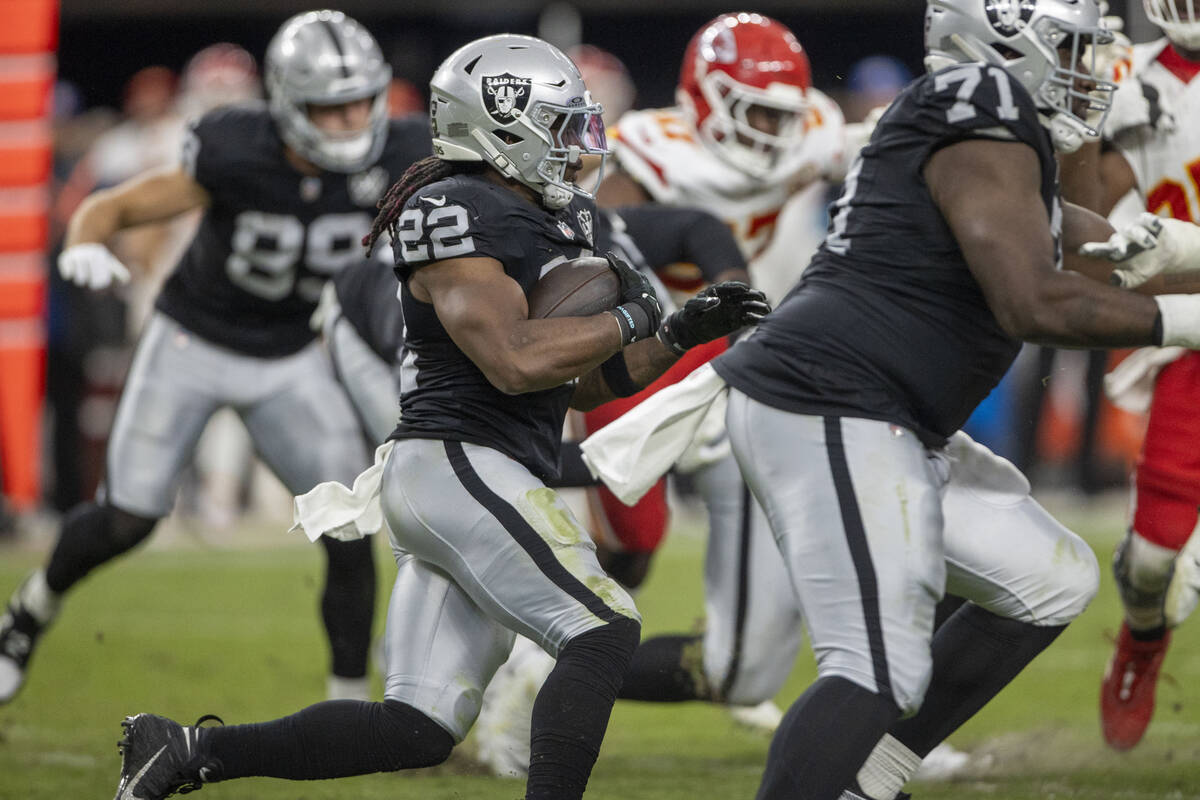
[[37, 598], [339, 688], [887, 769]]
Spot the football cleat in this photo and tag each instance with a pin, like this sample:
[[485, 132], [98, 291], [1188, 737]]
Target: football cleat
[[943, 763], [502, 730], [763, 718], [19, 632], [1127, 691], [160, 757]]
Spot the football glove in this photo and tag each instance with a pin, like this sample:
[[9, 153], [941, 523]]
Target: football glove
[[1149, 246], [91, 265], [717, 311], [639, 313]]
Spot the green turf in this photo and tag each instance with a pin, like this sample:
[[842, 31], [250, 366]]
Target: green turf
[[192, 629]]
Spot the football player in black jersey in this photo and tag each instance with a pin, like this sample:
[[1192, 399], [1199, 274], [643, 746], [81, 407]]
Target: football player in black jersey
[[483, 547], [287, 191], [944, 252]]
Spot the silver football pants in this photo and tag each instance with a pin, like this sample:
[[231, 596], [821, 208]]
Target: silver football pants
[[296, 413], [874, 527], [484, 548]]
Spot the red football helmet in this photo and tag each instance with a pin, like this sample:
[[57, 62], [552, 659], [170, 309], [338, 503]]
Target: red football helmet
[[220, 74], [744, 81]]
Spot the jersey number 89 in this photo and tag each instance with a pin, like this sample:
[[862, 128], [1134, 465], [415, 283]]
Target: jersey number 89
[[267, 247]]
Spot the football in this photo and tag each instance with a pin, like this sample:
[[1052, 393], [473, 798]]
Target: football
[[576, 288]]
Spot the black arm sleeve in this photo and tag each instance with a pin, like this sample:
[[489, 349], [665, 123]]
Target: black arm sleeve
[[667, 235]]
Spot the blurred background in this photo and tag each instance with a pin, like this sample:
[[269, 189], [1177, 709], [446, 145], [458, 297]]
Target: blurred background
[[93, 92]]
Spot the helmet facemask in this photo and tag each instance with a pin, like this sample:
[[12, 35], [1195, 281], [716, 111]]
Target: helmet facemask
[[569, 133], [338, 151], [1182, 27], [730, 127]]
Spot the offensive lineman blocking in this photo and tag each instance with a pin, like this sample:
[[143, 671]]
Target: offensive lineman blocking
[[943, 253]]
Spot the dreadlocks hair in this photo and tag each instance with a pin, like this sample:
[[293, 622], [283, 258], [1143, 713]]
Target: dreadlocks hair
[[422, 173]]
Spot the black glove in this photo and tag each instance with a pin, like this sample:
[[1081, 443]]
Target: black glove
[[639, 312], [717, 311]]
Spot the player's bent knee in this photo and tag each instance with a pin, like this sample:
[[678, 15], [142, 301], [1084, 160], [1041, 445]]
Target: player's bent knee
[[1076, 581], [606, 650], [907, 683], [414, 740], [125, 530]]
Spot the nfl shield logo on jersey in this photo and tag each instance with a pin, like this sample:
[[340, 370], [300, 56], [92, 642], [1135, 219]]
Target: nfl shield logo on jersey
[[367, 187], [566, 229], [1009, 16], [505, 96]]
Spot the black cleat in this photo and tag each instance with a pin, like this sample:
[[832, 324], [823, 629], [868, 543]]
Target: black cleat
[[19, 633], [159, 757]]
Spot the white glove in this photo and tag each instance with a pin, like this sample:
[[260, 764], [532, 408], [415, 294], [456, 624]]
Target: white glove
[[1115, 59], [1149, 246], [91, 265], [1180, 314]]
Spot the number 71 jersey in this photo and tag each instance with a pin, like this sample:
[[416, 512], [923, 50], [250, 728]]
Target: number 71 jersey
[[902, 330], [271, 237]]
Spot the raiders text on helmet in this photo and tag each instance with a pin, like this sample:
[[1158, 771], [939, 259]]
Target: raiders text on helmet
[[520, 105], [326, 58], [1045, 45]]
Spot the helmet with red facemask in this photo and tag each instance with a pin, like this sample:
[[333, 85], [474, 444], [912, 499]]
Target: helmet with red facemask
[[744, 83]]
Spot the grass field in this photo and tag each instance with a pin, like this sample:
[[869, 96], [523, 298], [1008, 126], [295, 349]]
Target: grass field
[[187, 628]]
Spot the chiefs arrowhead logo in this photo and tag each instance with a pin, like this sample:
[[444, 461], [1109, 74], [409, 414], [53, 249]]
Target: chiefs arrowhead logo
[[505, 96]]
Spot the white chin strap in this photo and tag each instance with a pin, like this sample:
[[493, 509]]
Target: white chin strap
[[1067, 133], [350, 150], [556, 197]]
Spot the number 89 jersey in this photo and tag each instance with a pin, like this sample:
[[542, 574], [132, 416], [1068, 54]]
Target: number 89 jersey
[[888, 322], [271, 237]]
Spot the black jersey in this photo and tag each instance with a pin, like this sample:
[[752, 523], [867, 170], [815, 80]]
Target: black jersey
[[272, 236], [443, 394], [888, 322], [367, 293]]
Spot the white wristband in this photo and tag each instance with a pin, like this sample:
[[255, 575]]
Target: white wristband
[[1180, 319]]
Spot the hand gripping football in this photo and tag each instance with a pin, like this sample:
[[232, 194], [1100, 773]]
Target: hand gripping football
[[576, 288]]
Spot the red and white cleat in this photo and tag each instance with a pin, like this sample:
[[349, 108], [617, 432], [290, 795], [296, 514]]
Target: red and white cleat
[[1127, 691]]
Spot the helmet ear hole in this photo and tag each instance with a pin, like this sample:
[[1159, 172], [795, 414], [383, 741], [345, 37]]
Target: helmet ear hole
[[508, 137]]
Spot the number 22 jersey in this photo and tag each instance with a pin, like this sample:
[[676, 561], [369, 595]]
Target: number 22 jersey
[[888, 322], [272, 236], [443, 395]]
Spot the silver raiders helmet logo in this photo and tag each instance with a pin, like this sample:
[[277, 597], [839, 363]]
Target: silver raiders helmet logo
[[505, 96], [1009, 16]]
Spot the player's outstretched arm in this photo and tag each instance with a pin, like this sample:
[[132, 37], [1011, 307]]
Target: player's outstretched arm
[[989, 194], [486, 314], [716, 311], [151, 197]]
